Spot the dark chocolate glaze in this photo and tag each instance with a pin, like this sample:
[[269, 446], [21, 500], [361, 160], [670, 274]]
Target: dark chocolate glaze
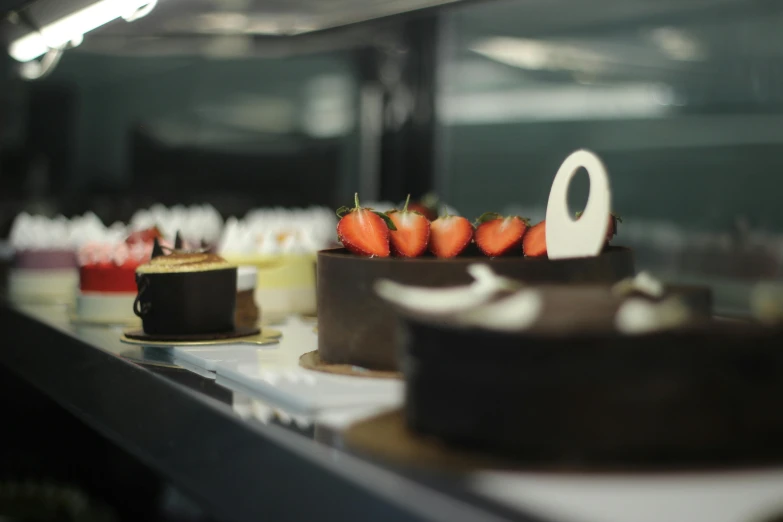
[[356, 327], [187, 303], [707, 394]]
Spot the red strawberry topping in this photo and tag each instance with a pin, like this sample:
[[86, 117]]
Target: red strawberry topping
[[364, 231], [450, 235], [496, 235], [413, 231], [534, 242]]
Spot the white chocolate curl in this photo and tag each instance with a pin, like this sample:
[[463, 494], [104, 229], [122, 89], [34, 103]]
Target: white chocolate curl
[[451, 300]]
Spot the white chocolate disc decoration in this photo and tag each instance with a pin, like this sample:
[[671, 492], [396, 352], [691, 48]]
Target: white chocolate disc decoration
[[566, 236]]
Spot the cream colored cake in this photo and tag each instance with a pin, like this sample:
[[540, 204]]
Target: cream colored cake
[[55, 285], [282, 245]]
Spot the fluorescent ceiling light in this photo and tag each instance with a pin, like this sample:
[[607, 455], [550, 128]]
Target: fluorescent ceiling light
[[556, 103], [678, 44], [540, 55], [70, 28]]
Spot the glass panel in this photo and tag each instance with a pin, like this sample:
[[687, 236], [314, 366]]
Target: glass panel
[[683, 105], [114, 133]]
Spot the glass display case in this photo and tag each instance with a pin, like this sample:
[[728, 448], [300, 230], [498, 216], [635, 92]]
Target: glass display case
[[249, 104], [477, 101], [681, 101]]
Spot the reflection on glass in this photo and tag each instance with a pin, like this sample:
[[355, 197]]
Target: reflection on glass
[[684, 108]]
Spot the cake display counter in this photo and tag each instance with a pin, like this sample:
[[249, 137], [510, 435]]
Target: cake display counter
[[246, 443], [488, 371]]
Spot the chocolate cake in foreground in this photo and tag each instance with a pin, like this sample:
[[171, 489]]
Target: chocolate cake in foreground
[[704, 392]]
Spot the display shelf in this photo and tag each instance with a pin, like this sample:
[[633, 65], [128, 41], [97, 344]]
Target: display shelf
[[236, 469], [242, 456]]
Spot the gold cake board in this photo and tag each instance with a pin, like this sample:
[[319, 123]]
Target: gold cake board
[[262, 337], [312, 361]]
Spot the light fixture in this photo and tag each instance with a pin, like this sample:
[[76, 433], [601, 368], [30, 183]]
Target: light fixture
[[73, 27], [540, 54]]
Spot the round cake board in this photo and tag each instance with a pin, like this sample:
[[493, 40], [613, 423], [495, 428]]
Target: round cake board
[[253, 336], [387, 437], [312, 361]]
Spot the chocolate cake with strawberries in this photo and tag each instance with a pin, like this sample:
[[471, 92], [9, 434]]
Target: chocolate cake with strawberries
[[358, 328]]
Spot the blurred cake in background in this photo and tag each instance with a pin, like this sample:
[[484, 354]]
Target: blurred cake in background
[[247, 313], [44, 263], [281, 244], [198, 225], [107, 276]]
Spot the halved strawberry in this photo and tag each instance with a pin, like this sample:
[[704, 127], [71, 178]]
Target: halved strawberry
[[534, 242], [611, 229], [449, 235], [364, 231], [413, 231], [496, 235]]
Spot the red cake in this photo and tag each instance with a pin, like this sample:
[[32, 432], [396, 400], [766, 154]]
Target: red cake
[[107, 277]]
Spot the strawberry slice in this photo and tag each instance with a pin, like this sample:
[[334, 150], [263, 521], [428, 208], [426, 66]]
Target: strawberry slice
[[450, 235], [364, 231], [611, 229], [413, 231], [496, 235], [534, 242]]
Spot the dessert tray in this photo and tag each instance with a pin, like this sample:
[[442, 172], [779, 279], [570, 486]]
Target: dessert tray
[[205, 359], [276, 377]]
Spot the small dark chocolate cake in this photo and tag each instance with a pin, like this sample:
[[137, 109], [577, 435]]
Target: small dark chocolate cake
[[186, 293]]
